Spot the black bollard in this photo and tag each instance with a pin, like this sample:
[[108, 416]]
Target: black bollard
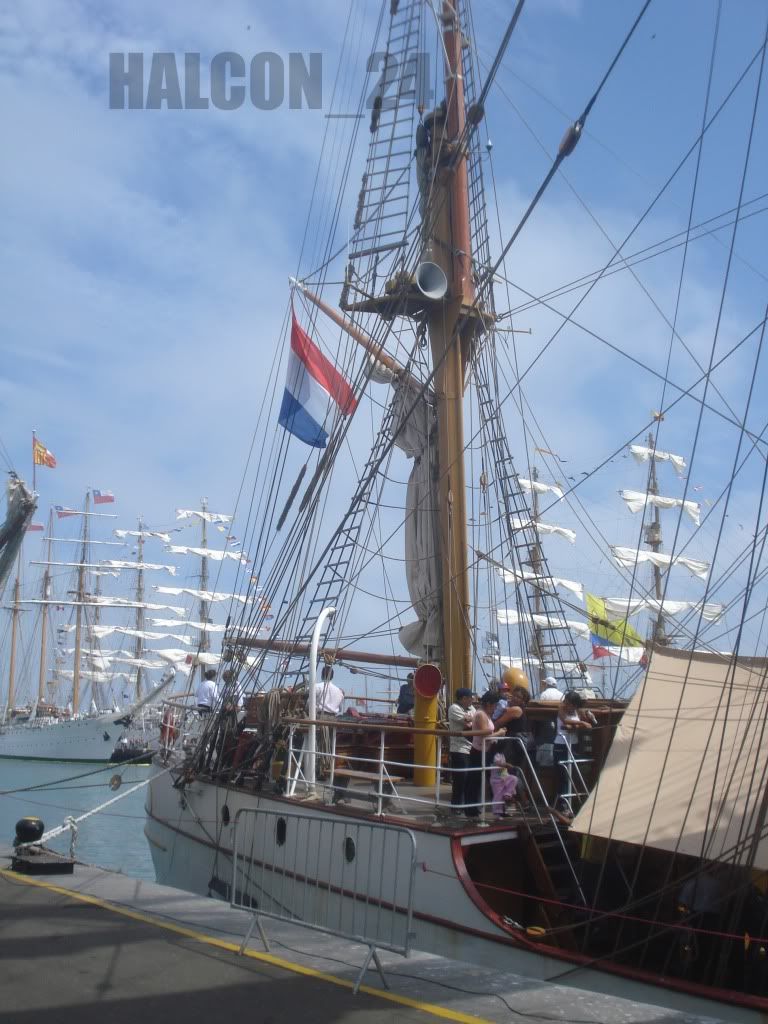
[[28, 830]]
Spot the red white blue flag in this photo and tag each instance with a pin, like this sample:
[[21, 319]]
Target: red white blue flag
[[103, 497], [313, 386], [62, 512], [35, 527]]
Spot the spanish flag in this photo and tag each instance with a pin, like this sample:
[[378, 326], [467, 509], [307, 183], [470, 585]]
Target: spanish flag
[[609, 632], [41, 456]]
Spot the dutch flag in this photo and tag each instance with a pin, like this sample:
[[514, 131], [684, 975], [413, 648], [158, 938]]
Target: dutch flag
[[311, 384]]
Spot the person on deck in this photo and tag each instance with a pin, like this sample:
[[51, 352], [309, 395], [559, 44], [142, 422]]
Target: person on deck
[[483, 724], [406, 698], [328, 696], [550, 691], [569, 723], [504, 785], [460, 715], [207, 692], [502, 689]]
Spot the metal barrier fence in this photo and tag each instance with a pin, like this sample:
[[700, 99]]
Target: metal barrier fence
[[350, 879]]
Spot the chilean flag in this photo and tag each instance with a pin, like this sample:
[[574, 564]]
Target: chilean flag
[[311, 383], [103, 497]]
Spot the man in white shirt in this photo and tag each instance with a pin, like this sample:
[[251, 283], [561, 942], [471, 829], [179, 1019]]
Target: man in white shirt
[[460, 715], [207, 692], [329, 698], [550, 690]]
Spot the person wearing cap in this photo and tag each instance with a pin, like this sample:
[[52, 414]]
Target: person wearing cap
[[550, 690], [460, 715], [483, 725]]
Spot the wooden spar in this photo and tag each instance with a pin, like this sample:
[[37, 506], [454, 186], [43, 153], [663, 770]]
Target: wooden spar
[[373, 348], [330, 654], [44, 615]]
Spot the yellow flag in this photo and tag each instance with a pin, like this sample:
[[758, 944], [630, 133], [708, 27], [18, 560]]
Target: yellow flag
[[41, 456], [609, 631]]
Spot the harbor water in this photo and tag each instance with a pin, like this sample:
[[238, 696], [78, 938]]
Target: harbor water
[[112, 838]]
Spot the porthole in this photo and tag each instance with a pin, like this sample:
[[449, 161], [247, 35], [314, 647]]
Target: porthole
[[349, 849], [225, 815], [281, 830]]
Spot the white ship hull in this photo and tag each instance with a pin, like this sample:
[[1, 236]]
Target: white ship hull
[[192, 849], [90, 738]]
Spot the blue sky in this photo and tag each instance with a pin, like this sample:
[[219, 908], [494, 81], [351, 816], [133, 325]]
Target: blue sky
[[145, 254]]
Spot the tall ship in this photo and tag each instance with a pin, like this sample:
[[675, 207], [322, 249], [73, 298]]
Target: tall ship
[[105, 646], [409, 507]]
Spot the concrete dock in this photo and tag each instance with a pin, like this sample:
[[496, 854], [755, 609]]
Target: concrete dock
[[101, 947]]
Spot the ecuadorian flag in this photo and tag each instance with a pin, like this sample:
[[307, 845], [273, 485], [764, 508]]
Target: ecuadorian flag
[[313, 386], [610, 635]]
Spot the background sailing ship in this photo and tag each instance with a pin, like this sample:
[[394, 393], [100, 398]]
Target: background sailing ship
[[84, 677]]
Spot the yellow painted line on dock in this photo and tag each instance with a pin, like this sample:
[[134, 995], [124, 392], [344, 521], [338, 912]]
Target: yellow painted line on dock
[[234, 947]]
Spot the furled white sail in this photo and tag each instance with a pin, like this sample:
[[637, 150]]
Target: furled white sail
[[627, 557], [539, 487], [207, 627], [107, 602], [143, 533], [422, 638], [202, 595], [625, 606], [113, 563], [216, 554], [209, 517], [511, 617], [139, 662], [94, 675], [637, 500], [109, 563], [562, 531], [99, 632], [643, 454], [179, 656], [516, 577]]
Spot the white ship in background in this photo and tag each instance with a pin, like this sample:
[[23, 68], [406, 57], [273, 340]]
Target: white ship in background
[[88, 688]]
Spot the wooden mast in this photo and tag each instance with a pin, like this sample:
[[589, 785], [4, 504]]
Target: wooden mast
[[139, 646], [46, 595], [14, 635], [450, 247], [205, 643], [538, 640], [79, 612], [653, 540]]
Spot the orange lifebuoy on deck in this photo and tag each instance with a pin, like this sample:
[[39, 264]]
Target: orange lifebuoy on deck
[[169, 728]]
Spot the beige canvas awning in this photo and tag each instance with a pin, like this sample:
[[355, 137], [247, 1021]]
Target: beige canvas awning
[[686, 771]]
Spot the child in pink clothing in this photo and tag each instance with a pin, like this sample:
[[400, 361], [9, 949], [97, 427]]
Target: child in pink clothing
[[503, 785]]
